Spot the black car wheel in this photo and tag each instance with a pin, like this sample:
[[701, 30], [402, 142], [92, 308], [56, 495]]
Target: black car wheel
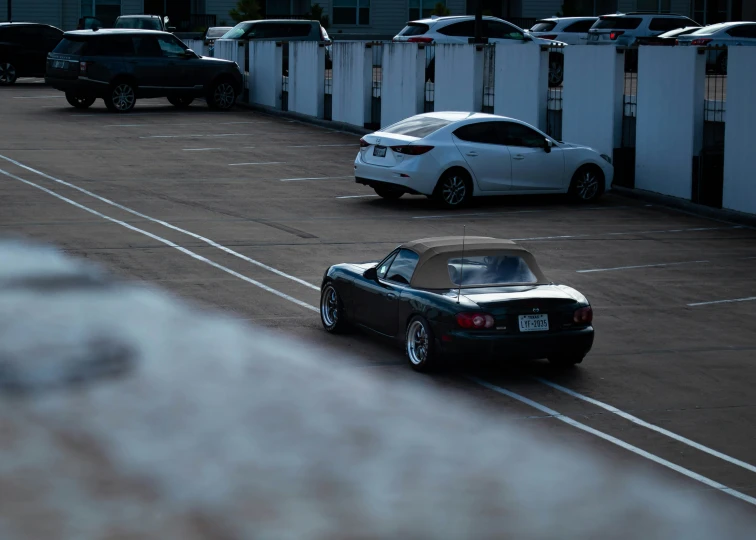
[[121, 98], [566, 360], [419, 345], [7, 74], [222, 96], [556, 69], [454, 189], [181, 102], [332, 310], [80, 102], [587, 184], [388, 193]]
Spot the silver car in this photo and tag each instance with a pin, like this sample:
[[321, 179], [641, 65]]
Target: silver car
[[721, 35]]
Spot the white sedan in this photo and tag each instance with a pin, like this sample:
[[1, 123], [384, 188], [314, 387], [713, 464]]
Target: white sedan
[[454, 156]]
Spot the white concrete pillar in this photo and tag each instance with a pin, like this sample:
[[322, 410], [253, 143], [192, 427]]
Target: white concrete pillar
[[521, 82], [739, 192], [306, 77], [592, 99], [352, 82], [458, 78], [402, 84], [669, 120], [265, 73]]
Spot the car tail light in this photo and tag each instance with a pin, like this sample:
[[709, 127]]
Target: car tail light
[[700, 41], [83, 68], [411, 150], [615, 35], [364, 143], [420, 39], [583, 315], [475, 320], [550, 36]]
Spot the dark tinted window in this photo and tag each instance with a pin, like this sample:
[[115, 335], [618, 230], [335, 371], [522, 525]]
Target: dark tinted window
[[238, 31], [403, 267], [518, 135], [115, 46], [50, 34], [580, 26], [618, 23], [665, 24], [72, 45], [460, 29], [490, 270], [414, 29], [744, 31], [543, 26], [171, 47], [384, 265], [481, 132], [417, 126], [499, 30], [151, 23], [147, 46], [216, 32]]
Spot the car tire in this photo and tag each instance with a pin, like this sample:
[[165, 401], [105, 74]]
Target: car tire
[[454, 189], [7, 74], [181, 102], [556, 69], [388, 193], [332, 310], [587, 184], [722, 63], [420, 345], [80, 102], [566, 360], [222, 95], [121, 97]]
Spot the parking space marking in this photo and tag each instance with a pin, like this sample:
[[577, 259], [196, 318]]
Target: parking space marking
[[648, 425], [454, 216], [630, 233], [618, 442], [747, 299], [196, 135], [164, 224], [257, 163], [199, 149], [314, 178], [188, 124], [638, 266], [38, 97], [168, 243], [355, 196]]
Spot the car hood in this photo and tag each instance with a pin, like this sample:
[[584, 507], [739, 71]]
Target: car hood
[[216, 60]]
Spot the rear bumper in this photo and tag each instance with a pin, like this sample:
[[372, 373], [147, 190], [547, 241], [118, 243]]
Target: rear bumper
[[420, 175], [81, 85], [529, 346], [387, 185]]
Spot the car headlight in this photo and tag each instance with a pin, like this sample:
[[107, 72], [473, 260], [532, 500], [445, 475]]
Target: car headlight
[[607, 158]]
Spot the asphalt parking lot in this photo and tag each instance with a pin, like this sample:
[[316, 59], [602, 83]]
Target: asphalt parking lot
[[244, 211]]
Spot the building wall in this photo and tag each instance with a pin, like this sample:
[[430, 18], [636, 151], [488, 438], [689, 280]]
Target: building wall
[[540, 8], [39, 11], [221, 8]]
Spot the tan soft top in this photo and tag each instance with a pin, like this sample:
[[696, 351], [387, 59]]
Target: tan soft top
[[432, 270]]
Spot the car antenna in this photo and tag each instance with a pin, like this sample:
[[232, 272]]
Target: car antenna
[[462, 266]]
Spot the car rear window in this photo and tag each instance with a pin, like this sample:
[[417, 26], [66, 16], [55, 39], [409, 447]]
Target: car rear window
[[414, 29], [543, 26], [417, 127], [72, 45], [216, 32], [490, 270], [666, 24], [617, 23], [237, 31]]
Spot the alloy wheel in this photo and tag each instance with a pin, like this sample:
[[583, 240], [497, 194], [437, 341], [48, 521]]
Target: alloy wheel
[[123, 97], [454, 190], [417, 343], [329, 306], [7, 73], [587, 185], [224, 96]]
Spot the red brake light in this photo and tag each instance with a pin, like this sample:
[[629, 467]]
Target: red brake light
[[550, 36], [411, 150], [583, 315], [614, 35], [700, 41], [475, 320], [420, 39], [364, 143]]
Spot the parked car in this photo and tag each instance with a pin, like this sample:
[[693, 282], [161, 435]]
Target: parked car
[[88, 23], [569, 30], [121, 66], [454, 156], [465, 297], [213, 33], [283, 30], [460, 29], [721, 35], [143, 22], [624, 29], [24, 48], [667, 38]]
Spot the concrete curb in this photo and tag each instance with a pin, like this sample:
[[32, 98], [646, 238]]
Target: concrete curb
[[687, 206], [306, 119]]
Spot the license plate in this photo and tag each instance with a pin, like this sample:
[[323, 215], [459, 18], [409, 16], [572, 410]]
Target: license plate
[[534, 323], [379, 151], [60, 64]]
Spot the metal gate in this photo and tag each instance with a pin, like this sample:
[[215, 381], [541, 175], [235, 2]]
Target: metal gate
[[429, 87], [624, 156], [328, 91], [554, 94], [284, 75], [708, 168], [489, 78], [377, 78]]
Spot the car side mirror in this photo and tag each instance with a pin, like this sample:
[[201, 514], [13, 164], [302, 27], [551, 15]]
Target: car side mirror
[[189, 53], [547, 145], [371, 274]]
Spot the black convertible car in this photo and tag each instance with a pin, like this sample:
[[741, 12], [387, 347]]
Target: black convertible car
[[442, 298]]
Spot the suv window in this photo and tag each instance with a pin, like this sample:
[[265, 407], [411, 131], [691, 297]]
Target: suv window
[[617, 23], [170, 46], [238, 31], [665, 24], [403, 267], [414, 29], [543, 26], [580, 26], [498, 30], [115, 46], [513, 134], [72, 45], [743, 31], [481, 132], [460, 29], [147, 46]]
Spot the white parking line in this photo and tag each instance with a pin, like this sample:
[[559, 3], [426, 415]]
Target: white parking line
[[196, 135], [314, 178], [647, 425], [189, 124], [628, 233], [164, 224], [748, 299], [454, 216], [616, 441], [199, 149], [256, 163], [355, 196], [638, 266], [39, 97], [167, 243]]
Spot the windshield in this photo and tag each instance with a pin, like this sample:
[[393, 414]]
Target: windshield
[[417, 126], [490, 270], [543, 26], [617, 23], [71, 45], [708, 30], [237, 31], [142, 24]]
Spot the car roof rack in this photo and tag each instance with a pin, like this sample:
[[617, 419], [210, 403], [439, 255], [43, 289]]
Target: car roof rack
[[653, 13]]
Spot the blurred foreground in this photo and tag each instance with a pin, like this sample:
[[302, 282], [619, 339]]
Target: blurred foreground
[[126, 413]]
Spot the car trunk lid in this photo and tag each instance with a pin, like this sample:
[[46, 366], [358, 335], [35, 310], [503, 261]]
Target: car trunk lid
[[378, 149]]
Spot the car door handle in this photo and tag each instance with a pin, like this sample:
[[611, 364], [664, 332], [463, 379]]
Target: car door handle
[[391, 296], [472, 154], [518, 156]]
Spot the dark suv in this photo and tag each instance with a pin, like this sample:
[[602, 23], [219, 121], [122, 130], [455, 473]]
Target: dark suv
[[121, 66], [24, 48]]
